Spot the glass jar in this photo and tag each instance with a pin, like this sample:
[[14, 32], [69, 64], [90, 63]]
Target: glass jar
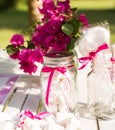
[[100, 88], [58, 82]]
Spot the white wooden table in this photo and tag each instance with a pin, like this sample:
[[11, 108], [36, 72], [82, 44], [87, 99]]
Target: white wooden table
[[26, 96]]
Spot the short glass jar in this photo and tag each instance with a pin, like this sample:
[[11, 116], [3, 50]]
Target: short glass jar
[[58, 82]]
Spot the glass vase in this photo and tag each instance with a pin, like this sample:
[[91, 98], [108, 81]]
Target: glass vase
[[100, 88], [58, 82]]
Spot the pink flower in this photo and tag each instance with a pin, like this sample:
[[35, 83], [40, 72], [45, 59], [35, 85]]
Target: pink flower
[[56, 32], [15, 55], [48, 9], [28, 58], [28, 67], [82, 18], [64, 5], [17, 40], [52, 26], [37, 55]]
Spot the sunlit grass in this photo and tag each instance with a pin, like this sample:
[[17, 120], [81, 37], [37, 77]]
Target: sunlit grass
[[11, 21], [93, 4], [22, 6], [6, 35], [98, 11], [112, 29]]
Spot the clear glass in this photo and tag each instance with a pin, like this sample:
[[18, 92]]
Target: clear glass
[[100, 87], [100, 94], [60, 74], [112, 73]]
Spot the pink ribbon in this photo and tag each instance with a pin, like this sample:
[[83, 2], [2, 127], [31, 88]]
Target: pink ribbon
[[113, 60], [51, 70], [85, 60], [30, 115]]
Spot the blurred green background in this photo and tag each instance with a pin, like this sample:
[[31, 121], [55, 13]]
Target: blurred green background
[[15, 20]]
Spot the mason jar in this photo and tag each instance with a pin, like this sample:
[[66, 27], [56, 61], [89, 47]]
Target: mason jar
[[58, 82]]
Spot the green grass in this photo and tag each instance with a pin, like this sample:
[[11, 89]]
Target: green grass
[[12, 21], [98, 11], [16, 21], [93, 4]]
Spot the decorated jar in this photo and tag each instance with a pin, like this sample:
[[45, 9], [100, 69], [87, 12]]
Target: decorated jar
[[58, 82], [100, 87]]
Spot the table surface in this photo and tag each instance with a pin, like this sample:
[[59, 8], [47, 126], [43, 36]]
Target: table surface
[[25, 95]]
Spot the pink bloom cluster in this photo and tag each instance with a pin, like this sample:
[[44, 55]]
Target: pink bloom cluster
[[48, 35], [26, 56]]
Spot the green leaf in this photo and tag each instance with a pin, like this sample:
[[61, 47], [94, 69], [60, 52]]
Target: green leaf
[[11, 49], [70, 46], [75, 12], [76, 26], [67, 29], [30, 45]]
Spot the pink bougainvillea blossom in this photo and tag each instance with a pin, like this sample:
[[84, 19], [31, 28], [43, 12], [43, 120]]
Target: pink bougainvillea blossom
[[56, 32], [15, 55], [28, 58], [84, 20], [17, 40]]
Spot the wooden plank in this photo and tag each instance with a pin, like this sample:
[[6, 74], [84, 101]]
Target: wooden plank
[[16, 102], [32, 100], [33, 97], [23, 85], [27, 89], [7, 88]]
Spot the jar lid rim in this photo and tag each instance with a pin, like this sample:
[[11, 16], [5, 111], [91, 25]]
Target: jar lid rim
[[59, 55]]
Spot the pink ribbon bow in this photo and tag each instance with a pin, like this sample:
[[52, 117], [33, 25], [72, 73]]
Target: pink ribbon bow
[[51, 70], [32, 116], [85, 60]]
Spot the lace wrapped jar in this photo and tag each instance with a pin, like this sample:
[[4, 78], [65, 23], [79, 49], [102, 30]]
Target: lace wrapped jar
[[58, 82], [100, 88]]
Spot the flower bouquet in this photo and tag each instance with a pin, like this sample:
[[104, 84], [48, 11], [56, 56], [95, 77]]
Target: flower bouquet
[[57, 31], [52, 43]]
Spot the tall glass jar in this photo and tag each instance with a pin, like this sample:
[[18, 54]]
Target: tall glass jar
[[58, 82], [100, 87]]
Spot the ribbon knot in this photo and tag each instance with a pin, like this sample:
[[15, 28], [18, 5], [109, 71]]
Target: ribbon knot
[[49, 69], [85, 60], [92, 55]]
